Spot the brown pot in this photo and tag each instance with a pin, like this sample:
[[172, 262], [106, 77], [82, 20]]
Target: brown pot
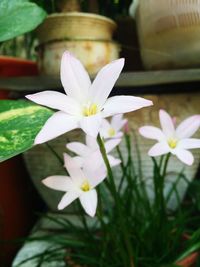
[[76, 25], [91, 42]]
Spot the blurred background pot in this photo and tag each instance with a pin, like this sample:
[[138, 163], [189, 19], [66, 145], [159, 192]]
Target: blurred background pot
[[91, 43], [93, 54], [169, 32]]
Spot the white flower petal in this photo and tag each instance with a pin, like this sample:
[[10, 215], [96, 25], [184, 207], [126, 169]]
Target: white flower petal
[[58, 124], [95, 177], [91, 124], [104, 129], [104, 82], [152, 132], [91, 142], [95, 163], [189, 143], [118, 122], [119, 135], [185, 156], [188, 127], [56, 100], [113, 161], [79, 161], [58, 182], [67, 199], [74, 170], [159, 149], [89, 202], [111, 144], [122, 104], [78, 148], [166, 123], [74, 77]]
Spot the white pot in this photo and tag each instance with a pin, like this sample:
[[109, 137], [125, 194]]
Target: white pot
[[169, 32]]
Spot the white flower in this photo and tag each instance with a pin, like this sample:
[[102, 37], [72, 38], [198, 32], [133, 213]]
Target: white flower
[[85, 104], [112, 129], [80, 184], [89, 154], [176, 141]]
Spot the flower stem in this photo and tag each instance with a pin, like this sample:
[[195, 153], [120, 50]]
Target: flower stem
[[117, 200], [165, 165]]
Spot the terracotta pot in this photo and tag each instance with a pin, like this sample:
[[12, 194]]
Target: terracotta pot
[[12, 67], [91, 43], [16, 202], [169, 33]]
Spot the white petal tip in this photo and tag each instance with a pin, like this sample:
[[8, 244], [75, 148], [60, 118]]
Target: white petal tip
[[149, 103], [68, 54], [189, 163], [60, 207], [91, 214], [38, 140], [44, 181], [29, 97]]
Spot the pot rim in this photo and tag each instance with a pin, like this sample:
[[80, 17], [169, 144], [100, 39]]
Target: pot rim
[[76, 40], [83, 15]]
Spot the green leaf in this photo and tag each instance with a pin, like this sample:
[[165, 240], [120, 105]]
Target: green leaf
[[18, 17], [193, 248], [20, 122]]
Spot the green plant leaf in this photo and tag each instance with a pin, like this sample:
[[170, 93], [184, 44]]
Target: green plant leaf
[[20, 121], [18, 17], [193, 248]]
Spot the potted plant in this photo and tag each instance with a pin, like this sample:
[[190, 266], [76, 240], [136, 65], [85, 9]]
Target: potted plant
[[11, 27], [133, 224], [87, 35], [14, 21]]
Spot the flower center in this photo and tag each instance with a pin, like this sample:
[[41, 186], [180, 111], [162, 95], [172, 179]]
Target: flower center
[[90, 110], [172, 142], [111, 132], [85, 186]]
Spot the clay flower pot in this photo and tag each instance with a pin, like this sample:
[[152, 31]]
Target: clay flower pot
[[91, 42]]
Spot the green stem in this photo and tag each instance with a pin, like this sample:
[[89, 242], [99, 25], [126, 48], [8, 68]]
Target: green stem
[[165, 165], [117, 200]]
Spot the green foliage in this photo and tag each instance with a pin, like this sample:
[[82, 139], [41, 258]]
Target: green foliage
[[130, 226], [20, 121], [18, 17]]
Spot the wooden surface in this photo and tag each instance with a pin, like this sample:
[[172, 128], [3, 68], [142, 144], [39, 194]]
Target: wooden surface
[[126, 80]]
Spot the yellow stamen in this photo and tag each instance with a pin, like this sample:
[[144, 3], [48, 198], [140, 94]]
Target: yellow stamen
[[172, 143], [90, 110], [111, 132], [85, 186]]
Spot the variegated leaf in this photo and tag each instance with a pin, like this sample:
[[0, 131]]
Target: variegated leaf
[[20, 121]]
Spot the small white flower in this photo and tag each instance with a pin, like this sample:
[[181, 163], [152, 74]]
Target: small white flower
[[84, 105], [89, 154], [80, 184], [175, 141], [112, 129]]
